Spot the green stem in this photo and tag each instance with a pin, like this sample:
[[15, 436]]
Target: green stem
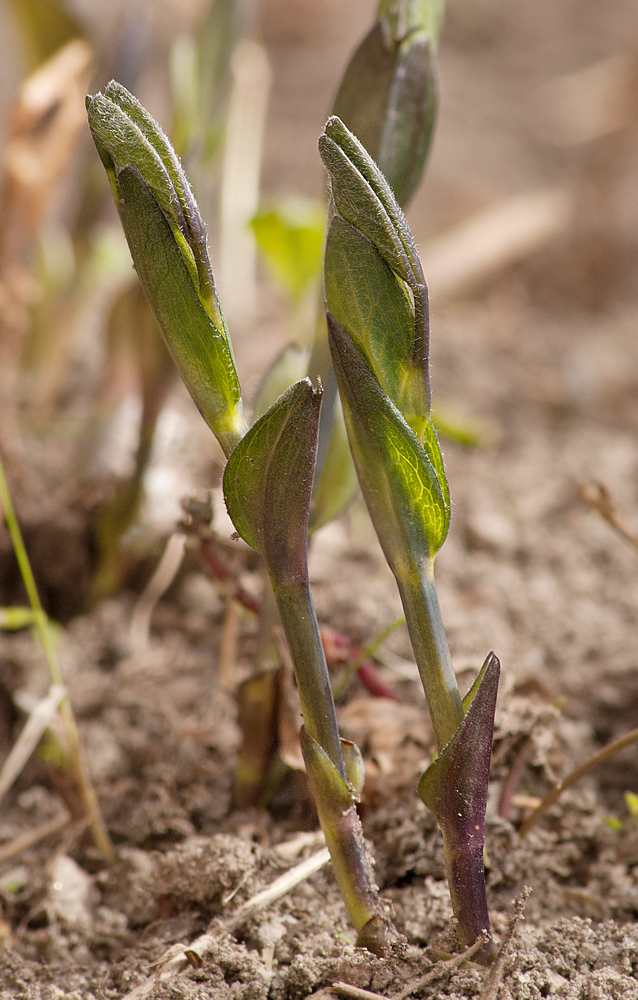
[[80, 773], [432, 654], [300, 626]]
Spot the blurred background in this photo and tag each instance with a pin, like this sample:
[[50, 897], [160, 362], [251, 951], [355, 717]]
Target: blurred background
[[527, 222]]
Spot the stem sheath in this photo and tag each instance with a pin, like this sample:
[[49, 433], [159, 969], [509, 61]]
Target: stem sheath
[[300, 625]]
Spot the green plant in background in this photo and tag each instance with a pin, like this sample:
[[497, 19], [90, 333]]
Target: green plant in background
[[379, 333]]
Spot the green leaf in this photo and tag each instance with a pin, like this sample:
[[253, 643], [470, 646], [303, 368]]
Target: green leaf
[[290, 236], [200, 349], [373, 307], [126, 135], [267, 488], [374, 281], [402, 481], [167, 239], [268, 481]]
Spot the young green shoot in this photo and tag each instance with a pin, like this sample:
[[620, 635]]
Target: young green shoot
[[379, 338], [167, 239]]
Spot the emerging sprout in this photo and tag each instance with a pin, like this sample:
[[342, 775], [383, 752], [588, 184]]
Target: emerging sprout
[[378, 329], [268, 478], [167, 239]]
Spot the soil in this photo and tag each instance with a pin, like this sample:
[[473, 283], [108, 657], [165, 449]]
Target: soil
[[542, 358]]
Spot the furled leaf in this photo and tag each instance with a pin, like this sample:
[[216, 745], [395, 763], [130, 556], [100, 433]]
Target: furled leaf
[[363, 197], [268, 481], [126, 135], [167, 239], [375, 310], [402, 481], [199, 348], [374, 281], [388, 95]]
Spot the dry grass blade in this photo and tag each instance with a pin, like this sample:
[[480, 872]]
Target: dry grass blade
[[280, 887], [157, 586], [40, 718], [32, 837], [579, 772]]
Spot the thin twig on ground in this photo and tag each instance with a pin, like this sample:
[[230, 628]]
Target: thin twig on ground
[[346, 990], [441, 969], [599, 498], [178, 957], [579, 772], [495, 974], [32, 837]]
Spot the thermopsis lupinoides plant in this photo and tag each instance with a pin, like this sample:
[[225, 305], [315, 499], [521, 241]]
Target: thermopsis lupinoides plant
[[378, 333]]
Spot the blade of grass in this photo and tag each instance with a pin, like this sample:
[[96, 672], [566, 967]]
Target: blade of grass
[[74, 749]]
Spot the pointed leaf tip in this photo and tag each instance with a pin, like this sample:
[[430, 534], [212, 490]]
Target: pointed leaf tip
[[454, 787]]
